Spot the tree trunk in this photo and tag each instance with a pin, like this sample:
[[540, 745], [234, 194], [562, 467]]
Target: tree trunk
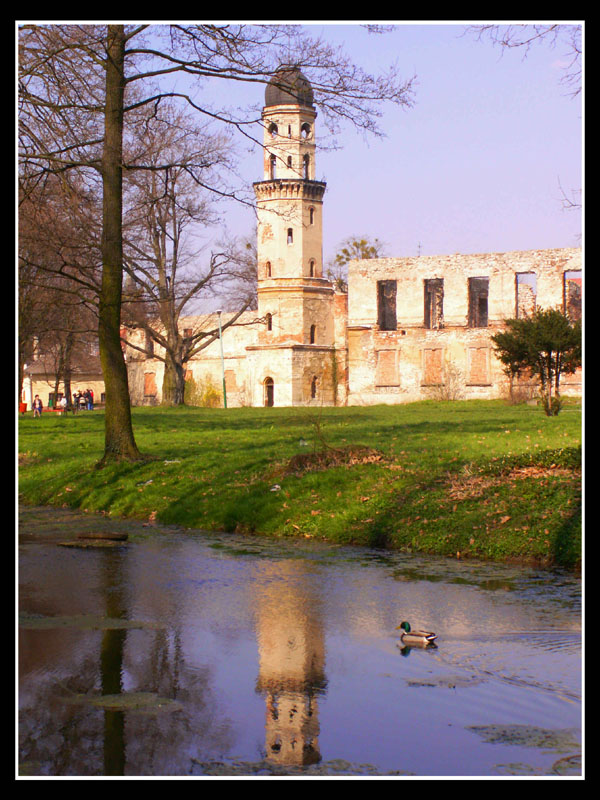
[[65, 366], [119, 442], [173, 388]]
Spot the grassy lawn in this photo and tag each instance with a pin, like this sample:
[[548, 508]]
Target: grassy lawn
[[475, 478]]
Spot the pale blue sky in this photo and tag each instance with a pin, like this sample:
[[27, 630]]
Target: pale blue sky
[[475, 166]]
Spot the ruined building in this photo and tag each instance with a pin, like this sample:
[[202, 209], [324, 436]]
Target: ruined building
[[406, 329]]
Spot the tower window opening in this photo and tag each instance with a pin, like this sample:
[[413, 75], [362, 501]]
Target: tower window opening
[[305, 130], [306, 162], [313, 388], [290, 131], [273, 130], [269, 322], [268, 269], [311, 216], [313, 333], [290, 236], [289, 162], [311, 268], [273, 167]]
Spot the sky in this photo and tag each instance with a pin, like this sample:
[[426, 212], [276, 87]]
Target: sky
[[475, 166]]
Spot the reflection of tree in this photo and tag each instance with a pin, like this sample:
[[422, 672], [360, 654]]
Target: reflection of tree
[[111, 666], [64, 668], [292, 656]]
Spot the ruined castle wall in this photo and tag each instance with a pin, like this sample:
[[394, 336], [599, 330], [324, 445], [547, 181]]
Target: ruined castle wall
[[417, 326]]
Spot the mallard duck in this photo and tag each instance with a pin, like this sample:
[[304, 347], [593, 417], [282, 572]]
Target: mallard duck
[[409, 636]]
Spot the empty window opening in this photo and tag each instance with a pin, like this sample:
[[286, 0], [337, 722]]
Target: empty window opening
[[313, 334], [273, 167], [311, 216], [269, 322], [572, 292], [526, 283], [311, 268], [268, 392], [273, 130], [313, 388], [386, 305], [289, 162], [434, 303], [478, 302], [290, 131], [306, 163], [290, 236], [268, 269], [305, 131]]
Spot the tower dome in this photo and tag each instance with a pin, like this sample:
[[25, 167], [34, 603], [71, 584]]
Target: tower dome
[[289, 86]]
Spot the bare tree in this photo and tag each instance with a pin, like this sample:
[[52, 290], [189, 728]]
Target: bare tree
[[81, 85], [58, 266], [165, 214]]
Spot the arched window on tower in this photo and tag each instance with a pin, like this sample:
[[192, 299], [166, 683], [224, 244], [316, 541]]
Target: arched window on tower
[[289, 162], [311, 216], [313, 333], [273, 130], [290, 236], [313, 388], [305, 131], [311, 268], [269, 322], [268, 269], [273, 167], [306, 164]]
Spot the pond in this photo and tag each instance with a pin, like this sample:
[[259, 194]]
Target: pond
[[185, 653]]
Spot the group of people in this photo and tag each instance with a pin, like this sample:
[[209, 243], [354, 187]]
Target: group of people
[[81, 401]]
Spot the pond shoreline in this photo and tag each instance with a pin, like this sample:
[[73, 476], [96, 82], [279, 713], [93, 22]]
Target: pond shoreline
[[88, 521]]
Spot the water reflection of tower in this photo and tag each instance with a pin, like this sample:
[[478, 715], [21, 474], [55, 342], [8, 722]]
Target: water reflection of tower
[[292, 657]]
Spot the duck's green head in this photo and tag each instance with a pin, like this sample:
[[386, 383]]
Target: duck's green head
[[405, 627]]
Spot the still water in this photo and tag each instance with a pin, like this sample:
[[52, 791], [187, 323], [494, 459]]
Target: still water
[[198, 654]]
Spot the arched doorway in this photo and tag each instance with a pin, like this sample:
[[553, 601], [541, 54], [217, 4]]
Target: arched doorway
[[268, 392]]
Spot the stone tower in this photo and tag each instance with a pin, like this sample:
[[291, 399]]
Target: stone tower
[[297, 354]]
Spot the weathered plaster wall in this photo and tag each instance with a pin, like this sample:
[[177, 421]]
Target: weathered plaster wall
[[146, 374], [407, 363]]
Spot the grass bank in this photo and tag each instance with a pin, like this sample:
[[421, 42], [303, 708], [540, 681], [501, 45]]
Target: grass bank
[[468, 479]]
